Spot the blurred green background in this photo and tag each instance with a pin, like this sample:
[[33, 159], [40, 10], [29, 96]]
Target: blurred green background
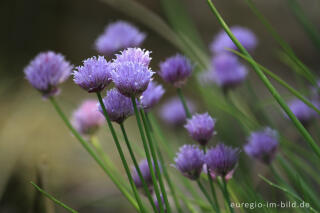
[[33, 139]]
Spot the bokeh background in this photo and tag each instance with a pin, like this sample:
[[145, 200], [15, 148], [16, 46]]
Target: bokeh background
[[34, 140]]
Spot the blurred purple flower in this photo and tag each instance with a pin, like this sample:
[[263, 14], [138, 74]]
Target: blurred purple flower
[[222, 41], [262, 145], [175, 70], [131, 74], [46, 71], [227, 71], [146, 174], [151, 95], [118, 106], [189, 161], [222, 159], [172, 112], [94, 75], [201, 127], [87, 119], [304, 113], [117, 36]]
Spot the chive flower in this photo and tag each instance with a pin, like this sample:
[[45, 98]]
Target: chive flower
[[94, 75], [262, 145], [222, 160], [131, 73], [189, 161], [86, 119], [46, 71], [172, 112], [152, 95], [175, 70], [118, 106], [222, 41], [227, 71], [303, 112], [146, 174], [201, 127], [117, 36]]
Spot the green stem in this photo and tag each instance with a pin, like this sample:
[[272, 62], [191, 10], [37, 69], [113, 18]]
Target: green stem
[[267, 83], [91, 152], [214, 195], [154, 156], [146, 149], [124, 162], [136, 165], [164, 168], [53, 199], [184, 103], [227, 196], [205, 193]]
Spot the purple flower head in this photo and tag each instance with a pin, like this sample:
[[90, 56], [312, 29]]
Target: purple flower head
[[262, 145], [189, 161], [175, 70], [201, 127], [87, 119], [227, 71], [46, 71], [146, 174], [94, 75], [222, 159], [245, 36], [304, 113], [131, 74], [151, 95], [118, 36], [172, 112], [118, 106]]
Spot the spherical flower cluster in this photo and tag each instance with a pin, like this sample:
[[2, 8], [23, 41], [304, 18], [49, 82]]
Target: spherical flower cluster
[[227, 71], [46, 71], [189, 161], [118, 36], [262, 145], [118, 106], [131, 74], [94, 75], [152, 95], [221, 160], [172, 112], [201, 127], [245, 36], [304, 113], [175, 70], [87, 119], [146, 174]]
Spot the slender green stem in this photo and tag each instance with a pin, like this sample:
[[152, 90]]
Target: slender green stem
[[227, 196], [214, 195], [91, 152], [267, 83], [205, 193], [53, 199], [164, 168], [184, 103], [146, 149], [136, 165], [124, 162], [154, 156]]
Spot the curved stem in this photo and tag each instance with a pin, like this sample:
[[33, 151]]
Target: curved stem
[[267, 83], [184, 103], [155, 159], [124, 162], [92, 153], [136, 165], [205, 193], [150, 163]]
